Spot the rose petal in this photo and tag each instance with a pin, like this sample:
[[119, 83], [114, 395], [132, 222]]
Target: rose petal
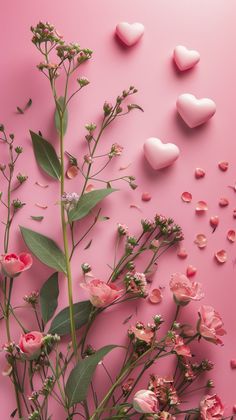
[[221, 256], [231, 235], [223, 202], [233, 187], [191, 271], [134, 206], [122, 168], [186, 197], [155, 296], [182, 253], [146, 196], [89, 188], [223, 165], [201, 207], [234, 409], [39, 184], [199, 173], [201, 240], [234, 213], [41, 206], [214, 221], [7, 370], [72, 172], [233, 363]]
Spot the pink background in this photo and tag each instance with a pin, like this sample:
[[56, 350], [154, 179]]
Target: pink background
[[208, 26]]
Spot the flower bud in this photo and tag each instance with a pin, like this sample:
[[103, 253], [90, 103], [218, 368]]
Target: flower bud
[[122, 229], [19, 150], [2, 127], [86, 268], [107, 108], [83, 81], [90, 127]]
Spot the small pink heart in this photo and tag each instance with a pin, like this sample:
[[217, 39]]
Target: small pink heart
[[129, 33], [158, 154], [195, 111], [185, 59]]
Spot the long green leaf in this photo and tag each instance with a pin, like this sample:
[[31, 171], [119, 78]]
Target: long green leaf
[[57, 118], [80, 377], [87, 202], [48, 297], [61, 323], [45, 249], [46, 156]]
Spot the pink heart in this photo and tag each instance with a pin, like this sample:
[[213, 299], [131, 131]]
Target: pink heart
[[185, 59], [129, 33], [158, 154], [195, 111]]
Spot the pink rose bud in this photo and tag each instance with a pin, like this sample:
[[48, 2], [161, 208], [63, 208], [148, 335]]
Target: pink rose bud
[[100, 293], [12, 265], [31, 344], [211, 407], [145, 402]]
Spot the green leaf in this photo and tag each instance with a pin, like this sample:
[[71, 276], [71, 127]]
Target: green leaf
[[45, 249], [61, 323], [81, 376], [37, 218], [57, 118], [87, 202], [48, 297], [46, 156]]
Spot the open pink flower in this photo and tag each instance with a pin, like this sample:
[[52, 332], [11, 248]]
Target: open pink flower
[[211, 408], [184, 289], [12, 265], [101, 294], [210, 324], [31, 344], [180, 348], [145, 402]]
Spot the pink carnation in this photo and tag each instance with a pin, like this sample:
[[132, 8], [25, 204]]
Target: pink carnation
[[184, 289], [100, 293], [210, 324], [211, 408], [145, 402], [180, 348], [12, 265]]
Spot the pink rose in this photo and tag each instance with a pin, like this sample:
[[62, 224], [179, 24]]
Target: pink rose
[[101, 294], [184, 289], [180, 348], [210, 324], [145, 402], [12, 264], [31, 344], [211, 407]]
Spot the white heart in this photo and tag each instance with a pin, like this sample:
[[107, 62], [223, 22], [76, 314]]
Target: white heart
[[158, 154], [129, 33], [195, 111], [184, 58]]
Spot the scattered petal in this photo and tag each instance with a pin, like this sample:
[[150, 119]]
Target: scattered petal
[[191, 271], [186, 197], [201, 207], [155, 296], [231, 235], [233, 363], [182, 253], [199, 173], [41, 206], [233, 187], [134, 206], [234, 409], [223, 165], [89, 188], [201, 240], [223, 202], [214, 221], [7, 370], [37, 218], [72, 172], [122, 168], [41, 185], [146, 196], [234, 213], [221, 256]]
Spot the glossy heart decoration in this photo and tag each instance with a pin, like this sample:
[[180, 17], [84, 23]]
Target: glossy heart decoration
[[195, 111], [129, 33], [158, 154], [185, 59]]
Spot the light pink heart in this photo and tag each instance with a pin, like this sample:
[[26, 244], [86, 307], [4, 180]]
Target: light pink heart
[[184, 58], [195, 111], [158, 154], [129, 33]]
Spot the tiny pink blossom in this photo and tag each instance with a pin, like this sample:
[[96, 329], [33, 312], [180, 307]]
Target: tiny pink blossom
[[145, 401], [211, 408], [210, 324], [12, 265], [185, 290], [31, 344], [100, 293]]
